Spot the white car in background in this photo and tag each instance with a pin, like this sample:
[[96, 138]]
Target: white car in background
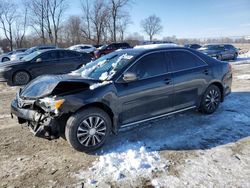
[[7, 56], [87, 48]]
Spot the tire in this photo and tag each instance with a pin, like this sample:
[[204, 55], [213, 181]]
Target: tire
[[88, 130], [21, 78], [210, 100], [235, 56], [5, 59]]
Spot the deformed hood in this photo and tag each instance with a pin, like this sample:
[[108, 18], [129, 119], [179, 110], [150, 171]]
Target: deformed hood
[[54, 84]]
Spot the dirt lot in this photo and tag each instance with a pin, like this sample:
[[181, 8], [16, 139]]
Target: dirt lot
[[199, 150]]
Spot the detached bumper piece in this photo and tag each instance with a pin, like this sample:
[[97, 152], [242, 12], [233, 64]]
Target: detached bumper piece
[[40, 124]]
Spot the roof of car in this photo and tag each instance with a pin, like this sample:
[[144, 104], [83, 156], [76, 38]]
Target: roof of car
[[152, 48]]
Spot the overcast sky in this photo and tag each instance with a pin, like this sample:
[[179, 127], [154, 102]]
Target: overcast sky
[[189, 18]]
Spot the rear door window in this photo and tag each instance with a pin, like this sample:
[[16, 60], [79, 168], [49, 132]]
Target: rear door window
[[182, 60], [49, 56], [150, 66]]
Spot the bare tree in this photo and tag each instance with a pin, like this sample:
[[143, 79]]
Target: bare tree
[[37, 17], [56, 10], [117, 7], [152, 26], [98, 17], [73, 29], [20, 28], [46, 16], [122, 25], [7, 18], [86, 29]]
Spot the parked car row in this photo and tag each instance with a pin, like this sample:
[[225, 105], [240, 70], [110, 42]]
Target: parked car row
[[218, 51]]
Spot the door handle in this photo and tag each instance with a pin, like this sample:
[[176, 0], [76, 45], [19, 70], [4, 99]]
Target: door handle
[[167, 81], [206, 71]]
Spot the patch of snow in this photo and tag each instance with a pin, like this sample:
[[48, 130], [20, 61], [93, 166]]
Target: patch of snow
[[134, 156], [104, 76], [243, 58], [243, 77], [116, 166], [94, 86], [87, 71], [245, 55]]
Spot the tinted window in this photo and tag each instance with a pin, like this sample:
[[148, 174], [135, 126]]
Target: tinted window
[[182, 60], [84, 47], [229, 47], [150, 65], [49, 56]]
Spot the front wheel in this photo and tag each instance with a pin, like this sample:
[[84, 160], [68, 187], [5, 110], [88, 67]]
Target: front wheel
[[21, 78], [88, 130], [210, 100]]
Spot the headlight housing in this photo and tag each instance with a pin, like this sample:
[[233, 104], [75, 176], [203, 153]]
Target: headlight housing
[[51, 104]]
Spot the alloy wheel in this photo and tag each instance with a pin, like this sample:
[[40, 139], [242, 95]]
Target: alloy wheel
[[91, 131], [212, 100]]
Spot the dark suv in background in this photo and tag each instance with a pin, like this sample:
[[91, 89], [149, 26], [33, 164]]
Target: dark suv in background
[[105, 49], [120, 90], [220, 51]]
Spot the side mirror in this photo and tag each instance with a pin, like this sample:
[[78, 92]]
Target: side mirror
[[39, 60], [129, 77]]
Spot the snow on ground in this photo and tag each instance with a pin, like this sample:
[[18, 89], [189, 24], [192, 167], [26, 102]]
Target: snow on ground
[[243, 58], [135, 155], [243, 77]]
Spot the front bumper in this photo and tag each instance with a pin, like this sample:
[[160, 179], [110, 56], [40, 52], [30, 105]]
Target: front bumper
[[41, 125]]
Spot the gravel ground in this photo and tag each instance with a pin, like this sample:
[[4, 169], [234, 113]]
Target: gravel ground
[[195, 157]]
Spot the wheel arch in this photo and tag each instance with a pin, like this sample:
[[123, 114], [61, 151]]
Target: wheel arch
[[220, 86], [106, 109]]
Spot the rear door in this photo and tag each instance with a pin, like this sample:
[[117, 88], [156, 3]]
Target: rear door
[[68, 61], [151, 94], [190, 75], [46, 65]]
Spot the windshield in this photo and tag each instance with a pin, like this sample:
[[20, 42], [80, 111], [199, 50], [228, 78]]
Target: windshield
[[107, 66], [102, 47], [31, 56], [30, 50]]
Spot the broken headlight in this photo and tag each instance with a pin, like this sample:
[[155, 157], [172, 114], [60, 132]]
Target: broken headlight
[[51, 104]]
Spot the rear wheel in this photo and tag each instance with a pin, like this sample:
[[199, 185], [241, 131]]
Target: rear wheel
[[210, 100], [88, 130], [21, 78], [235, 56]]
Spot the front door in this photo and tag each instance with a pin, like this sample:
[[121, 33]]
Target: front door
[[151, 94]]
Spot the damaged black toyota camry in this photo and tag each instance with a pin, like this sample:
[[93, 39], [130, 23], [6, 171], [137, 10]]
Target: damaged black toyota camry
[[120, 90]]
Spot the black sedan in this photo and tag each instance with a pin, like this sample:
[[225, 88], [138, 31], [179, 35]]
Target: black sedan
[[120, 90], [220, 51], [42, 62]]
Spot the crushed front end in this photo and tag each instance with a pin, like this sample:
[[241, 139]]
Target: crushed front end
[[41, 115]]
